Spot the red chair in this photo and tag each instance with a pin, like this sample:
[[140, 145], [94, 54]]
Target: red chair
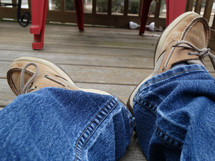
[[174, 9], [38, 17]]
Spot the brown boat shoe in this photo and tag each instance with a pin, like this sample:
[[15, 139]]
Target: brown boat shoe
[[28, 74], [185, 40]]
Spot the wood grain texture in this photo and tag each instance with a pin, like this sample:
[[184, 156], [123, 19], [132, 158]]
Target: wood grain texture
[[110, 19], [109, 59]]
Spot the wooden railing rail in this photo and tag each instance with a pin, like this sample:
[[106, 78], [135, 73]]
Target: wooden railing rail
[[120, 19], [94, 17]]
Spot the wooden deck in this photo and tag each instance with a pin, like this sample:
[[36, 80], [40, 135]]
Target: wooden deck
[[109, 59]]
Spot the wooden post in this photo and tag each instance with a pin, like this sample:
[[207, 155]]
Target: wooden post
[[109, 7], [189, 5], [157, 9], [94, 7], [62, 5], [126, 7], [198, 6], [14, 2], [208, 9], [213, 26], [29, 4]]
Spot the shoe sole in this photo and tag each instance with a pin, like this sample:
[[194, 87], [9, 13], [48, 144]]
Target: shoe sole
[[157, 54], [60, 71]]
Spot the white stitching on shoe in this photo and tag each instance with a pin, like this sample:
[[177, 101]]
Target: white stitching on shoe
[[54, 80], [192, 23]]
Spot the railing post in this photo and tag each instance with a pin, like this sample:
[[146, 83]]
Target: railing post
[[94, 7], [14, 2], [62, 5], [189, 5], [208, 9], [198, 6], [109, 7], [29, 4], [213, 26], [157, 9], [126, 7]]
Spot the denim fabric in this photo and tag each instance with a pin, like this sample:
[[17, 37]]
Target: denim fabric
[[59, 124], [175, 115]]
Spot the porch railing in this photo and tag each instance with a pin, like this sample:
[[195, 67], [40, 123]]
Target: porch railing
[[116, 13]]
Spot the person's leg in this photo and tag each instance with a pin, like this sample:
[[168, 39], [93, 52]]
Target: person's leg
[[174, 107], [61, 124], [174, 114]]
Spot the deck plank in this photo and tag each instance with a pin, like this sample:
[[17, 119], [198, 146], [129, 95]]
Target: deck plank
[[121, 91], [84, 59], [99, 75], [109, 59], [113, 60]]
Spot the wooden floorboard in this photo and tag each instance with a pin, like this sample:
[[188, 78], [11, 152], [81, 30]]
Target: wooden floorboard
[[104, 60], [109, 59], [78, 50]]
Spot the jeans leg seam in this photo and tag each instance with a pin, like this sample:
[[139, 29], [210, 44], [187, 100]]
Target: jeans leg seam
[[166, 138], [82, 140], [149, 106]]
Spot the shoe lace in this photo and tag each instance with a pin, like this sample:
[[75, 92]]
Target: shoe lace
[[25, 88], [201, 53]]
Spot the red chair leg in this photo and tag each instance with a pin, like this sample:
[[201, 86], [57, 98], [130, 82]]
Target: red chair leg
[[145, 5], [79, 6], [167, 12], [38, 17], [174, 9]]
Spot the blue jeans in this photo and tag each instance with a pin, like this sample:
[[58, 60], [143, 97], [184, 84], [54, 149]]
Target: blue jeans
[[58, 124], [175, 115]]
